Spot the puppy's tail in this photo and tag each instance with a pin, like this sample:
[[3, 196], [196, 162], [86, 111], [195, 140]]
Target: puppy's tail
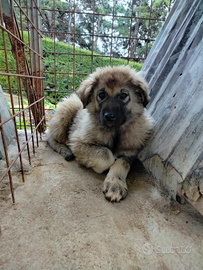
[[60, 124]]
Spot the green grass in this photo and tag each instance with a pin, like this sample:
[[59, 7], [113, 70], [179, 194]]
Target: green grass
[[11, 62], [59, 63]]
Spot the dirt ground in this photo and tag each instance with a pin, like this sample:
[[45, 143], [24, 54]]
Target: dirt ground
[[62, 221]]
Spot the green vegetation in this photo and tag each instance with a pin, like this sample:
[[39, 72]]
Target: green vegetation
[[63, 62], [19, 119], [11, 62], [119, 28], [60, 63], [120, 12]]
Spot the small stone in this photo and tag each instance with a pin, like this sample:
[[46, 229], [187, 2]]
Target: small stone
[[175, 212]]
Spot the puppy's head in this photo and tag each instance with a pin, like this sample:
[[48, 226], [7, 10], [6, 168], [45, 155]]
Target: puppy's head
[[115, 95]]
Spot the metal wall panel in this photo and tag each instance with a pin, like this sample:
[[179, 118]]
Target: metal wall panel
[[174, 70]]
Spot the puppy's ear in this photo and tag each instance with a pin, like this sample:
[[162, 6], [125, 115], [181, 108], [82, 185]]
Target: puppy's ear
[[86, 88], [141, 89], [142, 96]]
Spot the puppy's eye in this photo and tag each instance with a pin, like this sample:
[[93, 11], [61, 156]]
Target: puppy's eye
[[123, 96], [102, 95]]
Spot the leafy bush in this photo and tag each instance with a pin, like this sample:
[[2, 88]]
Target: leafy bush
[[63, 63]]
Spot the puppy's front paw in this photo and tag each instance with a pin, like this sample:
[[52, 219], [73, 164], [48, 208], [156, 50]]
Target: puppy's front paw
[[114, 189], [69, 157]]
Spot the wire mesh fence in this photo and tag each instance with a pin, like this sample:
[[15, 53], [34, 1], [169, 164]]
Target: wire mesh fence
[[80, 36], [21, 75], [48, 47]]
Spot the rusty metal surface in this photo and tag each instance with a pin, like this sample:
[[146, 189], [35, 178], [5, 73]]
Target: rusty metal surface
[[174, 70], [28, 75], [21, 61]]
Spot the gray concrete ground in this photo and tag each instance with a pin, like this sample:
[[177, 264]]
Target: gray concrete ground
[[62, 221]]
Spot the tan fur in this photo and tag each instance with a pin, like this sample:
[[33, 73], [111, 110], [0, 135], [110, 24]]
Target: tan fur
[[79, 131], [58, 128]]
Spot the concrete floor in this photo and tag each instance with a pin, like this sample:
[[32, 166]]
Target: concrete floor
[[62, 221]]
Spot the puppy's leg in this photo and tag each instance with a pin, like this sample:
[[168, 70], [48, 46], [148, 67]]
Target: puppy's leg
[[114, 186], [98, 158], [60, 125], [61, 148]]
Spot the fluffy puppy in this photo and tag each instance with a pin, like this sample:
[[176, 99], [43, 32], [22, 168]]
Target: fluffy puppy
[[104, 125]]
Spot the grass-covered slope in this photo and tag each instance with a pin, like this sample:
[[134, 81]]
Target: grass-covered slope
[[70, 65]]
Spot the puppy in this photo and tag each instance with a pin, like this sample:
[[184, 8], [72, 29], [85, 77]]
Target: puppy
[[104, 125]]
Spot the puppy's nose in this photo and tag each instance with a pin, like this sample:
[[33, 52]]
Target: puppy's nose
[[110, 117]]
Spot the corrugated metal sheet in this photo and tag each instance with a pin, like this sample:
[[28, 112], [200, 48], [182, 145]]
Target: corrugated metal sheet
[[174, 70]]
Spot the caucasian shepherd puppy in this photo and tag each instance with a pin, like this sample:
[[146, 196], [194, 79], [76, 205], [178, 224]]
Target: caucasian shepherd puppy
[[104, 125]]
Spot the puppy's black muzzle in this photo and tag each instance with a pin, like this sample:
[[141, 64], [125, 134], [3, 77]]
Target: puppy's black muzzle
[[109, 117], [112, 112], [112, 117]]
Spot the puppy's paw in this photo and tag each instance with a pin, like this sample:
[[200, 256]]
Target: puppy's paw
[[114, 189], [69, 157]]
